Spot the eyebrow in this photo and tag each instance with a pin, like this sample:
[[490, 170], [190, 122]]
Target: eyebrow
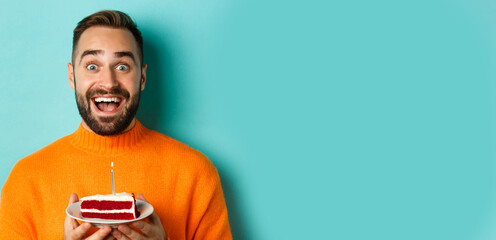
[[125, 54], [99, 52], [89, 52]]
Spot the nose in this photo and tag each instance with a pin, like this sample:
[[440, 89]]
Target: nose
[[108, 79]]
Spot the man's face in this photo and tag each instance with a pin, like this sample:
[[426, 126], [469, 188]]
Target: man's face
[[108, 78]]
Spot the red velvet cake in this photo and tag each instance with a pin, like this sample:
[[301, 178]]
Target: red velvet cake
[[121, 206]]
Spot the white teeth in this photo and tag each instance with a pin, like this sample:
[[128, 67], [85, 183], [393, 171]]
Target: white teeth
[[103, 99]]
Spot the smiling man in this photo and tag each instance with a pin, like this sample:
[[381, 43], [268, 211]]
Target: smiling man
[[108, 74], [108, 97]]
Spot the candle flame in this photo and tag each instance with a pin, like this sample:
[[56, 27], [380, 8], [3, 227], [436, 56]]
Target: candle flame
[[112, 164]]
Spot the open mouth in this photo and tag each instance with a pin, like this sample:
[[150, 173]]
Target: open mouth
[[107, 104]]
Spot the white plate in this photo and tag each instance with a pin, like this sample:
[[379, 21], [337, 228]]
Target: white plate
[[74, 211]]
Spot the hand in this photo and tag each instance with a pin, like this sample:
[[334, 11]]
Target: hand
[[74, 231], [151, 230]]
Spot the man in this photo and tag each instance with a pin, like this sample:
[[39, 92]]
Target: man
[[108, 74]]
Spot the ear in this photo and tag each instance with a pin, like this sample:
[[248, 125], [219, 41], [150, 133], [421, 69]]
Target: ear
[[70, 75], [143, 77]]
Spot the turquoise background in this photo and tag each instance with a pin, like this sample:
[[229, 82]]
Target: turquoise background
[[326, 119]]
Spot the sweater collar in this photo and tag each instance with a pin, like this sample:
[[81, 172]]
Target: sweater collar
[[108, 145]]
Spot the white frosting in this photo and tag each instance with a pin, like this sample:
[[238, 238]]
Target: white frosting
[[110, 197], [131, 210]]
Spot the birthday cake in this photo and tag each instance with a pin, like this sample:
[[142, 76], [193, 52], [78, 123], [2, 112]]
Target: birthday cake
[[121, 206]]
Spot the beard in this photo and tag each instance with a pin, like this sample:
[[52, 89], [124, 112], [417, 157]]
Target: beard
[[113, 125]]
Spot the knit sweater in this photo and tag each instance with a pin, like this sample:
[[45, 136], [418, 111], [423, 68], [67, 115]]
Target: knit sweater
[[180, 183]]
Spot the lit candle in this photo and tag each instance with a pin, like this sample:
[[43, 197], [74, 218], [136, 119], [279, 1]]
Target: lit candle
[[112, 175]]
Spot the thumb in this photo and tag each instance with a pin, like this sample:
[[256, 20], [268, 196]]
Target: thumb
[[154, 217], [74, 198], [141, 197], [70, 222]]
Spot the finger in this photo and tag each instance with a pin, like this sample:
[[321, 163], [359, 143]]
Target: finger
[[119, 235], [70, 222], [100, 234], [156, 219], [129, 232], [141, 197], [147, 228], [78, 233], [110, 237], [74, 198]]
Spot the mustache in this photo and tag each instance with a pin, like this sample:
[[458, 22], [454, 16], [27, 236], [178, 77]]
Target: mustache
[[113, 91]]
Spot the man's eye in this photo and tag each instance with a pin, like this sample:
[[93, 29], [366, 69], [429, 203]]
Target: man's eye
[[92, 67], [122, 67]]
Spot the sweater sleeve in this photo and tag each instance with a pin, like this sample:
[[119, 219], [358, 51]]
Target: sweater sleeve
[[213, 220], [15, 208]]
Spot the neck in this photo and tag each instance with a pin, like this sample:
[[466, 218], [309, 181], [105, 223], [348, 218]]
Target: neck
[[131, 125]]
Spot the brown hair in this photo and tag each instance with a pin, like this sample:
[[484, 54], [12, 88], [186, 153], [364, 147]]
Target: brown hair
[[110, 18]]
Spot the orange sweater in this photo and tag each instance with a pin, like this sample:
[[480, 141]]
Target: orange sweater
[[181, 183]]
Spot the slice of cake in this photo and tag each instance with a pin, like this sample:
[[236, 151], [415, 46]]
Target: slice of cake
[[121, 206]]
